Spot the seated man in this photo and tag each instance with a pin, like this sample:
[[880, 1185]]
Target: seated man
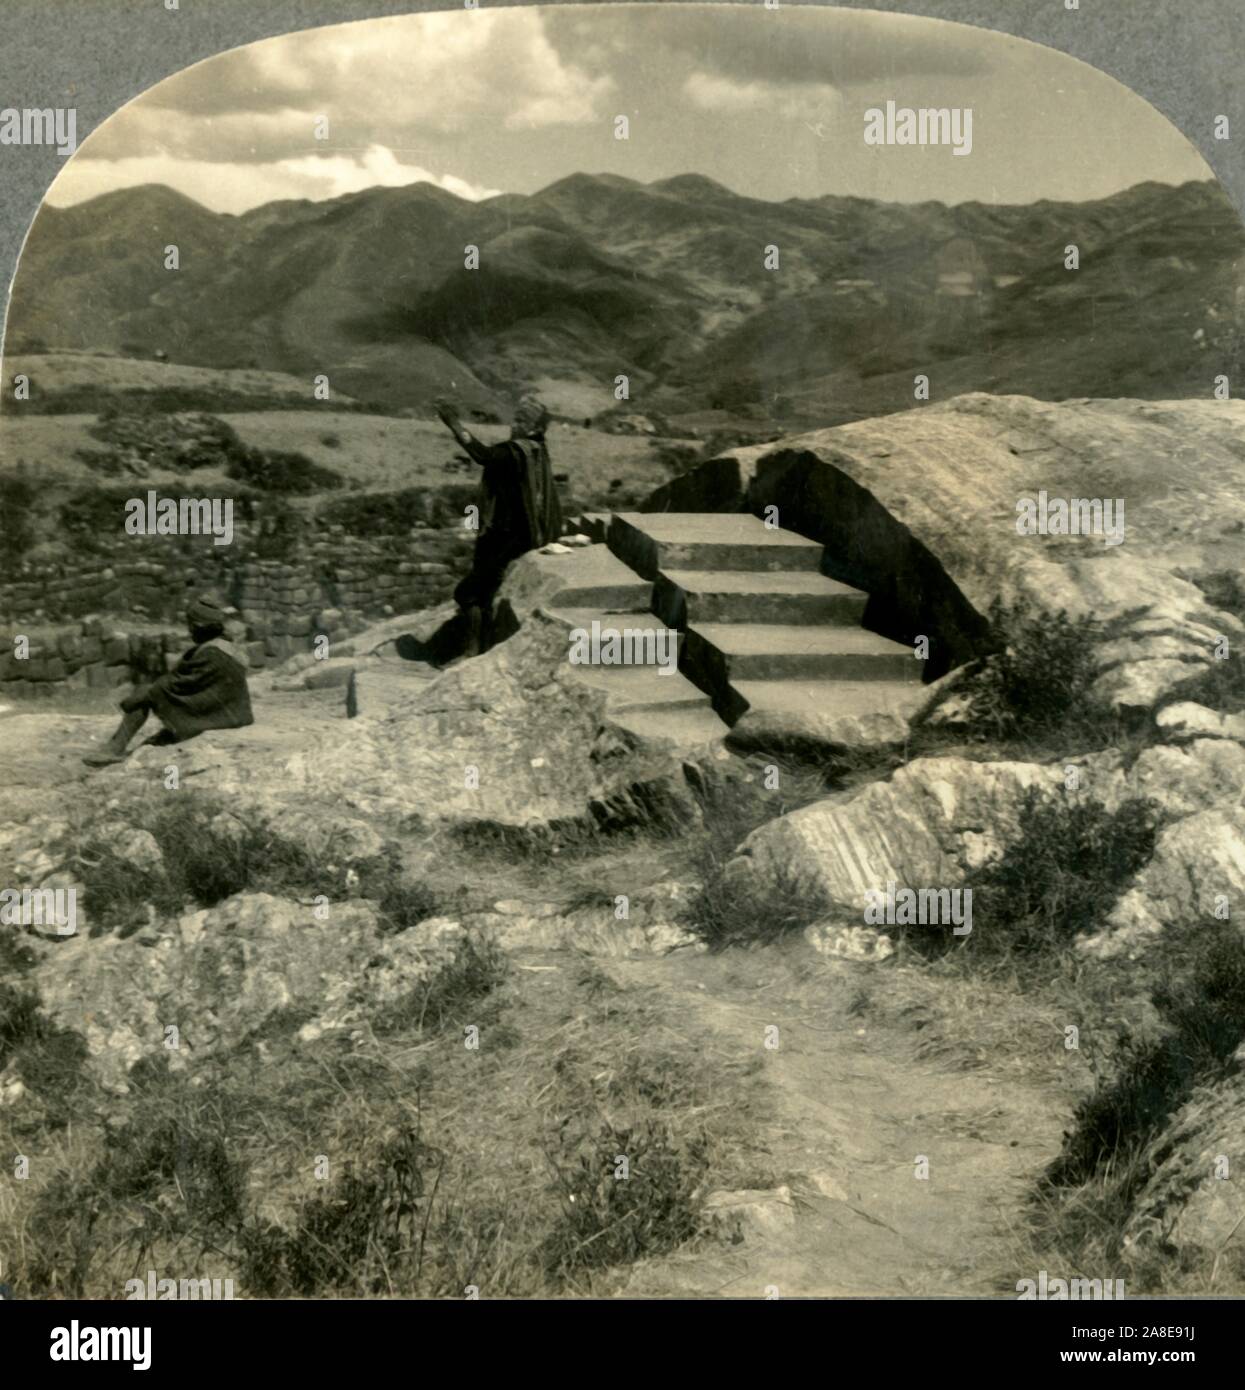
[[205, 690], [519, 511]]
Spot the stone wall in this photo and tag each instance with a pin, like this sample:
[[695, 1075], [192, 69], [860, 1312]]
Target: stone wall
[[105, 620]]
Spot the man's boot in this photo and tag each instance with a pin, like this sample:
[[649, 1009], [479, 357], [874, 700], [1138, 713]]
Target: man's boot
[[114, 751]]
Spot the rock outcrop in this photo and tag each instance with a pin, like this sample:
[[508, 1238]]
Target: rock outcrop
[[938, 820], [511, 738], [919, 509], [221, 975], [927, 826], [1192, 1201]]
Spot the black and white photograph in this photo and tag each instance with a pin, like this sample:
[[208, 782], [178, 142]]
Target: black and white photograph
[[621, 675]]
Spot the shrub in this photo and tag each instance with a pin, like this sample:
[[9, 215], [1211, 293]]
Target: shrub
[[45, 1056], [1040, 678], [1203, 1008], [478, 968], [675, 457], [364, 1235], [208, 853], [608, 1219], [166, 1172], [281, 470], [1061, 875], [18, 496], [724, 911]]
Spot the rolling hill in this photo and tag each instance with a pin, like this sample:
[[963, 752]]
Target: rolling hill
[[665, 282]]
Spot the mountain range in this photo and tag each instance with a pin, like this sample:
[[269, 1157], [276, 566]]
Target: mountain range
[[666, 283]]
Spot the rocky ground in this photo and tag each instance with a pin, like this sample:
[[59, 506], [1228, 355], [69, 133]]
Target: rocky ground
[[430, 981]]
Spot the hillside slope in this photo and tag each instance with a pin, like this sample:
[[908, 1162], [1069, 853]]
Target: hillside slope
[[666, 282]]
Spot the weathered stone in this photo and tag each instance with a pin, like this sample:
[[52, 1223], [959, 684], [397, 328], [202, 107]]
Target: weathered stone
[[1198, 868], [1186, 779], [223, 973], [135, 847], [464, 746], [1193, 1202], [862, 944], [935, 541], [755, 1213], [1188, 720], [927, 826]]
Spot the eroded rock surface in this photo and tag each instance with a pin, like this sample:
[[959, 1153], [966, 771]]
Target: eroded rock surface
[[919, 510], [927, 826], [1193, 1202], [220, 975]]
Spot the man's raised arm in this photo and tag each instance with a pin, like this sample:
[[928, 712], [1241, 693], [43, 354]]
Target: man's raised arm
[[467, 441]]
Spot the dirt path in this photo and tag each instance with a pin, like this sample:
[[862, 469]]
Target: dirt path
[[851, 1113]]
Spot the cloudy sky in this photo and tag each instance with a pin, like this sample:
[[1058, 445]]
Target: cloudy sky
[[769, 102]]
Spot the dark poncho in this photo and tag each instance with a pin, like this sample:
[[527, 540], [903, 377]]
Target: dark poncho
[[205, 690], [518, 496]]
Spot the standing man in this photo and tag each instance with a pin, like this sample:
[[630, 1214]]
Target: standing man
[[519, 510]]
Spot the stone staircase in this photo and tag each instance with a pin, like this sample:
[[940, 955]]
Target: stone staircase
[[593, 584], [764, 632]]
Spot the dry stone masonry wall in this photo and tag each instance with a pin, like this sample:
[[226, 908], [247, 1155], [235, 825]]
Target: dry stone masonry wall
[[100, 621]]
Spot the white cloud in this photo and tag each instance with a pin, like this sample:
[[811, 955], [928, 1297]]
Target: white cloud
[[236, 187], [794, 100], [398, 82]]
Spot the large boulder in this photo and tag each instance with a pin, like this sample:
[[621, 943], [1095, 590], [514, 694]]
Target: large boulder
[[510, 738], [1193, 1202], [220, 975], [1183, 780], [919, 509], [927, 826], [936, 821], [1196, 875]]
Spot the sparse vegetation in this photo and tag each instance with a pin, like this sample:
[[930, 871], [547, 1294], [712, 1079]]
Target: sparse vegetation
[[207, 852], [1088, 1195], [1039, 683], [726, 911], [138, 440], [406, 1166], [283, 471], [676, 456], [1059, 877], [45, 1057], [1202, 1005], [478, 969], [614, 1217], [18, 495]]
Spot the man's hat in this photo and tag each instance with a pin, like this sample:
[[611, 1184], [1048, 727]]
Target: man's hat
[[530, 417], [205, 611]]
